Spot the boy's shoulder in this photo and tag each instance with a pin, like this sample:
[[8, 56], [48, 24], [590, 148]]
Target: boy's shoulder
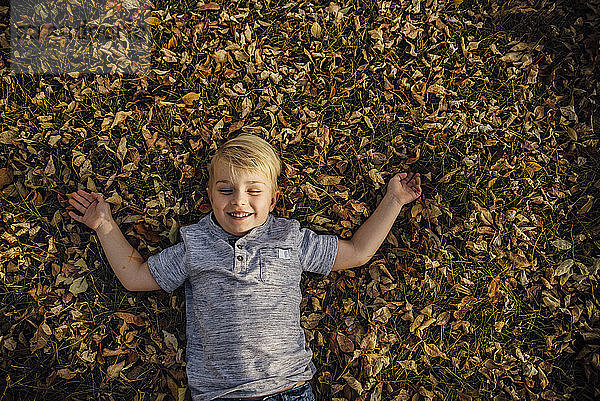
[[285, 222], [196, 228], [281, 228]]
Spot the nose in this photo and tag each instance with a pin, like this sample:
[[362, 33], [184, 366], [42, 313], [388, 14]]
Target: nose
[[239, 198]]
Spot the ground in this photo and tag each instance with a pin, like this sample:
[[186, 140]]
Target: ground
[[487, 286]]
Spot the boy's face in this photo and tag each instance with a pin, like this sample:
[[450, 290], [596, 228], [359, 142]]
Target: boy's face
[[242, 203]]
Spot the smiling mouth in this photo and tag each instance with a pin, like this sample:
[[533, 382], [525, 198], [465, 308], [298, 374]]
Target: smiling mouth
[[239, 216]]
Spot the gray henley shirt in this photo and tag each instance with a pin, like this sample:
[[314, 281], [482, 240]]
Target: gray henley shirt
[[244, 337]]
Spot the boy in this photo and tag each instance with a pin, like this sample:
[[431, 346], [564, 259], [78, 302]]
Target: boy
[[241, 268]]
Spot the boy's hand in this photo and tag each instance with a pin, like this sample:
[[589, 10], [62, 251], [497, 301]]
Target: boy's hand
[[405, 187], [94, 210]]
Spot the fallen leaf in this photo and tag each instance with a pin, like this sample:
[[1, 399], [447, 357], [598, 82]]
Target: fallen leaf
[[120, 117], [408, 365], [346, 345], [561, 244], [352, 382], [41, 336], [382, 315], [246, 107], [315, 30], [190, 98], [66, 374], [115, 369], [212, 6], [170, 340], [6, 177], [532, 167], [329, 179], [152, 21], [564, 267], [122, 149], [78, 286], [433, 351], [310, 191], [130, 318]]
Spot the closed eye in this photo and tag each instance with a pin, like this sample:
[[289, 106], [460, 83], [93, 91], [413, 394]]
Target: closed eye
[[226, 191]]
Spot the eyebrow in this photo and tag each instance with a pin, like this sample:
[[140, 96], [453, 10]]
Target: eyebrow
[[248, 182]]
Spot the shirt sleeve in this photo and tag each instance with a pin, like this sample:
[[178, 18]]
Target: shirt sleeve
[[168, 267], [317, 252]]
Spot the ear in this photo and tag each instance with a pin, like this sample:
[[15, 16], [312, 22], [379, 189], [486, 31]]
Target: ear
[[274, 200], [209, 195]]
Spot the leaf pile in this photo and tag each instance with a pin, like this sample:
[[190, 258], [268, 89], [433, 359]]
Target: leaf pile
[[486, 287]]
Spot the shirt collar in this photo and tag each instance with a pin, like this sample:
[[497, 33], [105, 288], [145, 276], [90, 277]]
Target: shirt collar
[[221, 233]]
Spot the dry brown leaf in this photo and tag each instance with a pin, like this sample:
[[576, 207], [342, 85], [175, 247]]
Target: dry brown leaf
[[6, 176], [433, 351], [130, 318], [212, 6], [352, 382], [329, 179], [346, 345]]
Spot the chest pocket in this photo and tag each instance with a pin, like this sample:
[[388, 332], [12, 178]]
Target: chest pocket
[[279, 266]]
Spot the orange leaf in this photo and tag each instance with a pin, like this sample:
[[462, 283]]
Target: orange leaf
[[212, 6], [152, 21], [130, 318], [172, 42]]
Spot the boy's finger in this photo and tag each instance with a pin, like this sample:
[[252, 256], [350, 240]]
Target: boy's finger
[[80, 208], [89, 197], [85, 201], [75, 216], [415, 178]]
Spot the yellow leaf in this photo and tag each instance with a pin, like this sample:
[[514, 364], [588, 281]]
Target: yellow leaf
[[416, 209], [152, 21], [316, 30], [78, 286], [532, 167], [190, 98], [376, 176]]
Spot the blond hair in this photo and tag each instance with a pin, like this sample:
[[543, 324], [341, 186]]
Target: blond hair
[[247, 152]]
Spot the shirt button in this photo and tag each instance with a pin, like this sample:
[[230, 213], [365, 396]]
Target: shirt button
[[239, 247], [240, 258]]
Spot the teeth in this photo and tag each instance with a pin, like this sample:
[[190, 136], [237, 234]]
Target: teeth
[[240, 214]]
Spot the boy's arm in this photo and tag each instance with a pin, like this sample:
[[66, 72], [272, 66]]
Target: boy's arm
[[126, 262], [402, 189]]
